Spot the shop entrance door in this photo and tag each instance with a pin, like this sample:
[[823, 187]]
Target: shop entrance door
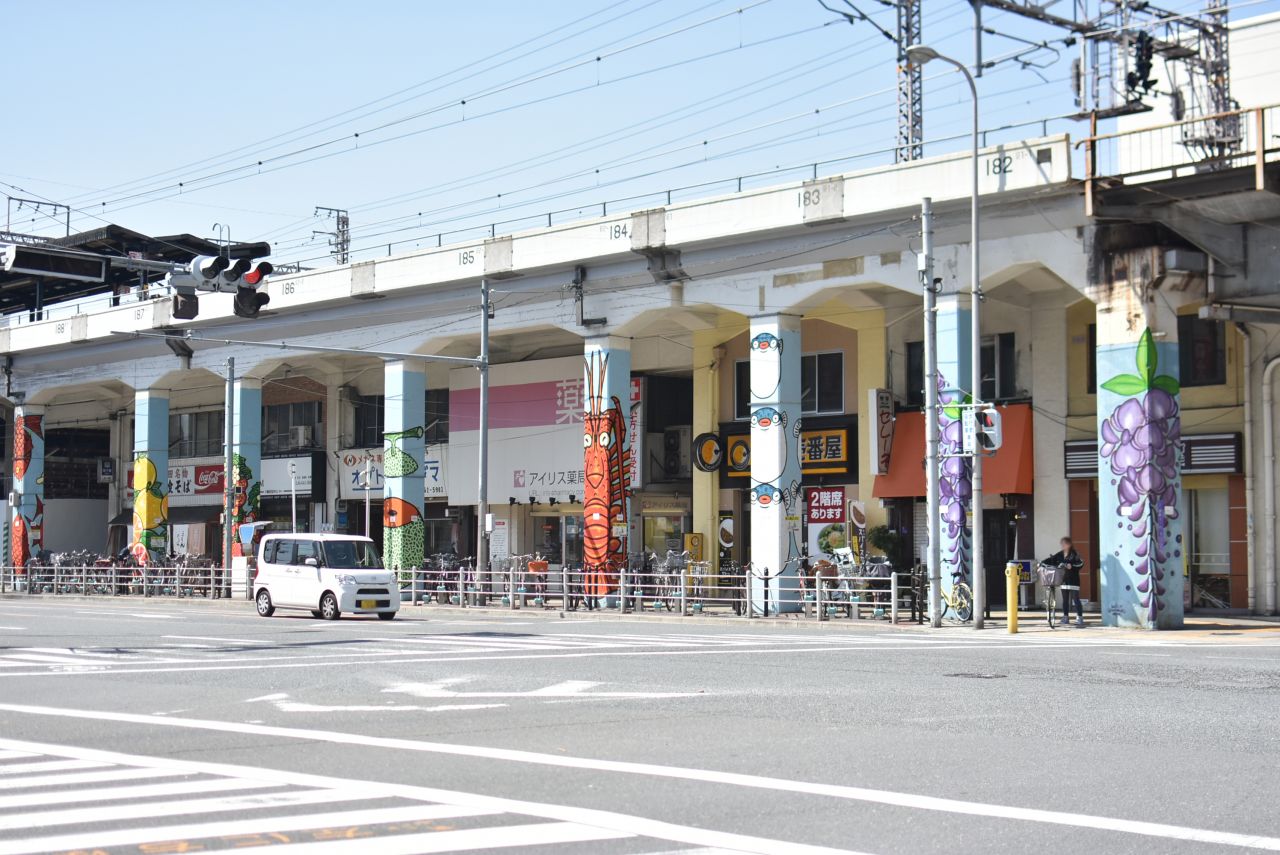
[[998, 534]]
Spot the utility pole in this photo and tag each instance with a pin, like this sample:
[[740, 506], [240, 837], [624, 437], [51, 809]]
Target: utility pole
[[340, 237], [228, 479], [933, 558], [368, 489], [484, 524]]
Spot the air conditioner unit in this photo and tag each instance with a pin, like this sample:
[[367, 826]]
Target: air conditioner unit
[[677, 451], [300, 436]]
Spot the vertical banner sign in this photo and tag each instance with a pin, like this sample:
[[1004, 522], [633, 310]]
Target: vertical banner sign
[[1139, 482], [246, 457], [606, 463], [403, 452], [27, 513], [725, 537], [774, 365], [635, 433], [150, 478], [825, 516], [881, 425]]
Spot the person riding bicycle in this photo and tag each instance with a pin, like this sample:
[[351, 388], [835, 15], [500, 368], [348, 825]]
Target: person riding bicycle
[[1070, 560]]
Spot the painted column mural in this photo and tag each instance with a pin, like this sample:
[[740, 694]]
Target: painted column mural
[[246, 457], [403, 452], [150, 477], [606, 463], [1139, 480], [955, 489], [774, 365], [26, 517]]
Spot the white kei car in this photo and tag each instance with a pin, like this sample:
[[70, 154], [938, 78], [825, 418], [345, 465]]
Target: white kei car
[[325, 574]]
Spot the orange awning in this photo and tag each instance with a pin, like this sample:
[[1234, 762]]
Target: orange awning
[[1009, 470]]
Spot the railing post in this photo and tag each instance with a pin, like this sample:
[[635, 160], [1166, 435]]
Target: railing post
[[1259, 150], [684, 595], [817, 598]]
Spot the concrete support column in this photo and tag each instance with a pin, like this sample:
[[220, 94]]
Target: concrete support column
[[246, 458], [606, 462], [403, 451], [706, 419], [873, 373], [1049, 362], [150, 543], [1140, 456], [955, 490], [26, 514], [774, 355]]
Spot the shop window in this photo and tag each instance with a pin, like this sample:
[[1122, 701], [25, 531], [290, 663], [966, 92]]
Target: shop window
[[196, 434], [998, 367], [1202, 351], [822, 382], [742, 389], [280, 420], [370, 421], [915, 374], [1091, 368], [436, 420]]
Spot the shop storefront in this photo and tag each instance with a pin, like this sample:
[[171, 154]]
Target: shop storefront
[[299, 478]]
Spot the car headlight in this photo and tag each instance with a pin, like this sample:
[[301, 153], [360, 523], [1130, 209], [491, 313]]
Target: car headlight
[[346, 579]]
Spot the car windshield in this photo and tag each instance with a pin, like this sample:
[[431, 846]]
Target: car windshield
[[351, 555]]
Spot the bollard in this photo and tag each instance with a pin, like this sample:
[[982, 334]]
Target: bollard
[[1012, 576], [893, 597], [684, 596]]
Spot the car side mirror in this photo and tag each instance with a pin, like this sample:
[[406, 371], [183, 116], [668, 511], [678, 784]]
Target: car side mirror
[[311, 562]]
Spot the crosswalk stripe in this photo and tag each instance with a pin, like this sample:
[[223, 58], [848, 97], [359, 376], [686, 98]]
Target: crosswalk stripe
[[140, 791], [111, 813], [73, 778], [132, 836], [20, 769], [16, 755], [462, 840]]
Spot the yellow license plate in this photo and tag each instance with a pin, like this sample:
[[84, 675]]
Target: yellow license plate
[[368, 604]]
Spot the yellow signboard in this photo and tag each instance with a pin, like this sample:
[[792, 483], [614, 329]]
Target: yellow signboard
[[821, 451]]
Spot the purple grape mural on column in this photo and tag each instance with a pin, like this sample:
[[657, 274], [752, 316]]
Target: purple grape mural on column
[[955, 487], [1139, 450]]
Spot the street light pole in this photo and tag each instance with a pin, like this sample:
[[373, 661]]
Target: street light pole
[[293, 496], [932, 463], [919, 55], [483, 527], [228, 476], [368, 490]]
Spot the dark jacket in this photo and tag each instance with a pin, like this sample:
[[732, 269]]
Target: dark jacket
[[1072, 561]]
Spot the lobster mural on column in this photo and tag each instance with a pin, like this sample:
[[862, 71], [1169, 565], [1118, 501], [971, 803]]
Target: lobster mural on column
[[28, 482], [606, 464]]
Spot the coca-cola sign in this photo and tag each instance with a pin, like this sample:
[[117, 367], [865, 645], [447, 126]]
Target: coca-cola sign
[[195, 480]]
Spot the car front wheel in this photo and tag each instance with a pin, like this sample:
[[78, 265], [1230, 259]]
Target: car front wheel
[[265, 608], [386, 615], [329, 606]]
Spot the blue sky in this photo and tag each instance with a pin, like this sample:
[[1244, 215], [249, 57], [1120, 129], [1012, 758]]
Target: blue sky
[[167, 117]]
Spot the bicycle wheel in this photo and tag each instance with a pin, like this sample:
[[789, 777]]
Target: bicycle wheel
[[1051, 606], [963, 601]]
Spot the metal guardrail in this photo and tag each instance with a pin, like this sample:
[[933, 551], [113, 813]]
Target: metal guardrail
[[117, 581], [1230, 140]]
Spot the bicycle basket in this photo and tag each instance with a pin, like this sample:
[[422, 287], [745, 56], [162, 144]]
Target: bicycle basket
[[1051, 577]]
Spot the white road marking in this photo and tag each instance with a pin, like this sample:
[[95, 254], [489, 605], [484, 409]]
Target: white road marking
[[100, 839], [151, 615], [16, 755], [15, 628], [566, 689], [82, 778], [115, 812], [759, 782], [481, 805], [19, 769], [141, 791], [284, 705], [216, 638], [533, 834]]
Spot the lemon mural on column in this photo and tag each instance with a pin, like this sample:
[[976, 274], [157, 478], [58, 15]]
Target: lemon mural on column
[[150, 543]]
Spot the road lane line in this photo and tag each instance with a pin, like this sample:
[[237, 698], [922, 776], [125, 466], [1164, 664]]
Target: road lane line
[[487, 805], [11, 770], [100, 839], [862, 794], [140, 791], [504, 836], [68, 779], [115, 812], [216, 638]]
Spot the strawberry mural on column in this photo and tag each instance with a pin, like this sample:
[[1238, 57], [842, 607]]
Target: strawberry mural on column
[[28, 483], [606, 467]]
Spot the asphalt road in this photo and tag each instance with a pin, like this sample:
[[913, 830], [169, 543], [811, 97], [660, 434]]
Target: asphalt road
[[159, 727]]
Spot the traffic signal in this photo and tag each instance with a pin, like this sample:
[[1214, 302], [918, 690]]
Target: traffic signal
[[1143, 51], [244, 278], [990, 435]]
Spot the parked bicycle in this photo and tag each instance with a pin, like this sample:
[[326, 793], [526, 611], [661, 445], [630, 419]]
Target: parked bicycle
[[959, 600], [1051, 576]]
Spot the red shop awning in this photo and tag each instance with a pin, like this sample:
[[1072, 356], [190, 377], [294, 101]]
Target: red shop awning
[[1009, 470]]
